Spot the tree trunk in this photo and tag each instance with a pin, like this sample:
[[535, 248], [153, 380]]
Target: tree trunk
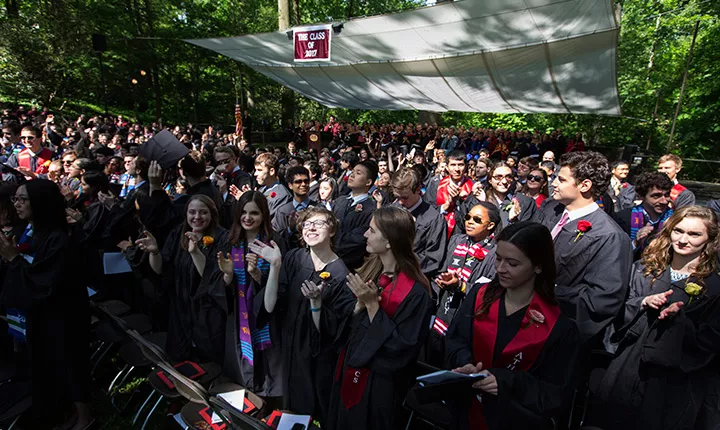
[[11, 8], [287, 98], [296, 12], [155, 72]]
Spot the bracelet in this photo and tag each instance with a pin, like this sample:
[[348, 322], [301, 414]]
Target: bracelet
[[316, 309]]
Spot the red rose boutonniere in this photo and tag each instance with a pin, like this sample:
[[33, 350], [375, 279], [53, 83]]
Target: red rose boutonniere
[[273, 194], [536, 317], [625, 185], [582, 228], [358, 208]]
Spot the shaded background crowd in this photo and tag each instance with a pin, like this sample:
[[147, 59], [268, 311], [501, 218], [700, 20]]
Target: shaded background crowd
[[323, 275]]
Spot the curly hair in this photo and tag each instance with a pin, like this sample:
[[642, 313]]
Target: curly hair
[[589, 165], [649, 180], [658, 255]]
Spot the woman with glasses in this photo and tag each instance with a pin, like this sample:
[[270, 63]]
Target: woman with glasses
[[252, 351], [536, 186], [665, 372], [512, 331], [470, 260], [44, 294], [306, 290], [514, 207]]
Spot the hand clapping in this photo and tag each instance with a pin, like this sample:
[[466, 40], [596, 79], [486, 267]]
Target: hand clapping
[[269, 253]]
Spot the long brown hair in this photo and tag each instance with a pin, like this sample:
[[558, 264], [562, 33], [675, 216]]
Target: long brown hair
[[536, 243], [237, 232], [398, 227], [658, 254], [214, 216]]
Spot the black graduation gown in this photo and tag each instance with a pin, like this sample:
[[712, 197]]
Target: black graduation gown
[[525, 399], [450, 300], [430, 238], [314, 192], [685, 198], [387, 347], [264, 377], [198, 304], [431, 188], [624, 200], [51, 293], [308, 355], [354, 221], [665, 374], [593, 272], [277, 195]]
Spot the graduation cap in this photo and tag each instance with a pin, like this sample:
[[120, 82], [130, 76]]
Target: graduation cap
[[165, 149], [19, 176]]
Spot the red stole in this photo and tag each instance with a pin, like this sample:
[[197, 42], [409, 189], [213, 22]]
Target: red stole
[[675, 191], [355, 380], [523, 349], [44, 156], [442, 197]]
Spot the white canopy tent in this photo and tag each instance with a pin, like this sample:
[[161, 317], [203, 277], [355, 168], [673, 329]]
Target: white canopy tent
[[530, 56]]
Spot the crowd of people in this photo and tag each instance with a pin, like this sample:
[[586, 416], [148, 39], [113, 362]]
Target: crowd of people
[[318, 275]]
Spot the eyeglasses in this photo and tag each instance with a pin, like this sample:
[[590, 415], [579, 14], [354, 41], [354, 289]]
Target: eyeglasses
[[475, 218], [301, 181], [28, 137], [19, 199], [534, 178], [501, 177], [321, 223]]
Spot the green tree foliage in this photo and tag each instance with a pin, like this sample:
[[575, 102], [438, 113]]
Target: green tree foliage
[[46, 56]]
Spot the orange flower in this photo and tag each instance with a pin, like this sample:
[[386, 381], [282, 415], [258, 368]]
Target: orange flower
[[207, 241], [325, 276]]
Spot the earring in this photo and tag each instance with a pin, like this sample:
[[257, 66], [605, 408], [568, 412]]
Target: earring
[[387, 246]]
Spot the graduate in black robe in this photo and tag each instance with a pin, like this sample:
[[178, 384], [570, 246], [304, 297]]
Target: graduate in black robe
[[44, 292], [593, 255], [470, 261], [513, 330], [308, 292], [665, 374], [354, 212], [198, 301], [382, 337]]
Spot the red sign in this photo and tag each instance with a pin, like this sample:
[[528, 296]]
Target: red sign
[[312, 43]]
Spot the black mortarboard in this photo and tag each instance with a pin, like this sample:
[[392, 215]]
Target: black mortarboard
[[165, 149]]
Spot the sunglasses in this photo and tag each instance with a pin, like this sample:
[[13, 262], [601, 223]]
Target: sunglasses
[[68, 162], [20, 199], [28, 137], [301, 181], [475, 218], [501, 177], [534, 178]]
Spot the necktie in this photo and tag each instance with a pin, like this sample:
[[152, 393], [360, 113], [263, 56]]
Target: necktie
[[564, 220]]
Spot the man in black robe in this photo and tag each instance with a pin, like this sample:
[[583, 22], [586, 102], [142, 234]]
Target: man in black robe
[[620, 191], [267, 167], [284, 222], [431, 228], [593, 255], [354, 213]]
